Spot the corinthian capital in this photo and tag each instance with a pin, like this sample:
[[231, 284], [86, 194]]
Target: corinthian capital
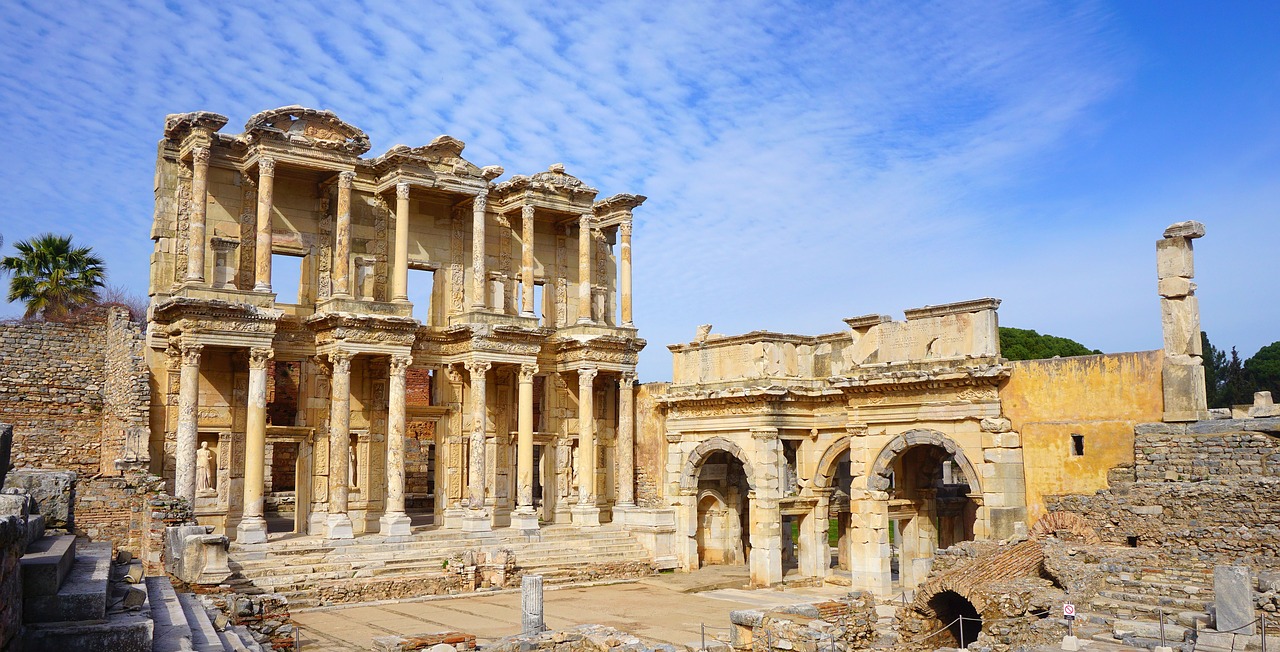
[[478, 368], [587, 376], [345, 179], [482, 200], [400, 363], [586, 220], [258, 357], [266, 167], [402, 190], [191, 353], [200, 155], [527, 372], [625, 228], [341, 361], [626, 379]]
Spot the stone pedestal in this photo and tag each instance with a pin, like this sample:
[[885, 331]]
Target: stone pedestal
[[453, 518], [586, 515], [395, 525], [477, 521], [252, 529], [338, 526], [526, 522]]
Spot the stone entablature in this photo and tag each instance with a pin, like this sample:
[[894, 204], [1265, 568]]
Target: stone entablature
[[294, 183]]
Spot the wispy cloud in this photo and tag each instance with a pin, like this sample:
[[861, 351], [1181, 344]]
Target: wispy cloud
[[805, 161]]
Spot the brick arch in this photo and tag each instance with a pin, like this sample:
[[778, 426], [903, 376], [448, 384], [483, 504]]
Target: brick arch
[[1021, 560], [689, 475], [878, 478], [1069, 521]]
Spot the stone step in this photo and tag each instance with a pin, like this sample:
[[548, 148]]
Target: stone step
[[1161, 587], [523, 558], [317, 563], [428, 539], [1171, 604], [204, 638], [82, 595], [46, 564], [171, 632]]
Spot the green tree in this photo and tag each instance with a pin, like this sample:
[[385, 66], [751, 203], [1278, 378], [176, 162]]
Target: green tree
[[1215, 365], [1263, 370], [1023, 344], [1236, 386], [52, 277]]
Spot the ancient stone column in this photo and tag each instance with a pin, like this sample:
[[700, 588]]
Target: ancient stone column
[[476, 519], [526, 266], [584, 268], [586, 513], [253, 527], [1183, 369], [531, 621], [196, 242], [394, 521], [624, 271], [524, 517], [342, 237], [262, 247], [184, 473], [479, 276], [338, 523], [626, 441], [400, 279]]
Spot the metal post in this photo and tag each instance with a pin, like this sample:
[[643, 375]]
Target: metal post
[[962, 645], [1162, 627], [703, 627], [1263, 619]]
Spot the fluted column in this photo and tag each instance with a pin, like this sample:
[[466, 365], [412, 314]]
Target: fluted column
[[479, 275], [626, 440], [586, 513], [262, 247], [342, 236], [184, 474], [338, 524], [253, 527], [526, 267], [624, 271], [525, 518], [196, 242], [400, 280], [476, 519], [395, 522], [584, 268]]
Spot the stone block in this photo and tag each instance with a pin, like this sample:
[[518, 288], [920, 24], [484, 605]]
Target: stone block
[[53, 492], [1001, 440], [1174, 258], [1181, 325], [1233, 599], [1003, 456], [1185, 229], [83, 594], [46, 564], [195, 556], [1175, 287], [1184, 394], [1003, 520], [996, 424]]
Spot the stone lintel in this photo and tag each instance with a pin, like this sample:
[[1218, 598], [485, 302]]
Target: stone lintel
[[867, 321], [957, 308]]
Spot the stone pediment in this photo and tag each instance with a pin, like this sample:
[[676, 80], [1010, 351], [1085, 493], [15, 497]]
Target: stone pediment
[[331, 327], [553, 180], [297, 125], [442, 156], [178, 125]]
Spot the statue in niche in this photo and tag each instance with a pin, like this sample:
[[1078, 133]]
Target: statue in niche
[[351, 467], [206, 468], [573, 471]]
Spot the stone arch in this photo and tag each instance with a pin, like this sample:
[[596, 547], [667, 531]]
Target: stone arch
[[826, 465], [1069, 521], [689, 475], [878, 478]]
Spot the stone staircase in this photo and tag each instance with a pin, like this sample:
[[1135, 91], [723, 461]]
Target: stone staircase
[[299, 568], [76, 597], [1128, 607]]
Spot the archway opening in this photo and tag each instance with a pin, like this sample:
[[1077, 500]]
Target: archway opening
[[724, 522], [959, 616], [929, 507]]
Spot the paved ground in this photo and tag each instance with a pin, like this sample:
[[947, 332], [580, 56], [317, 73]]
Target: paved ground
[[656, 610]]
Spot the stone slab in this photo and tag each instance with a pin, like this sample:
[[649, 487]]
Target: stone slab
[[46, 564], [1233, 600], [171, 633], [120, 632], [82, 596], [53, 491], [203, 635]]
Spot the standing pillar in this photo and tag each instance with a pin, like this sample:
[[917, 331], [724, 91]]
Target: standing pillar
[[342, 236], [525, 518], [479, 275], [1183, 368], [262, 246], [531, 620], [584, 268], [586, 513], [184, 472], [196, 242], [400, 279], [526, 266], [476, 519], [624, 271], [338, 523], [253, 526], [395, 522], [626, 446]]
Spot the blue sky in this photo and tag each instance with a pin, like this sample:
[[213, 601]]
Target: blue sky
[[805, 162]]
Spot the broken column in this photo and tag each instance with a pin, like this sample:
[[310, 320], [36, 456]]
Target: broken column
[[531, 604], [1183, 370]]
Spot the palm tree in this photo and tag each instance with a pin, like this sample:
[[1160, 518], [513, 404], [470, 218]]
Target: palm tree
[[52, 277]]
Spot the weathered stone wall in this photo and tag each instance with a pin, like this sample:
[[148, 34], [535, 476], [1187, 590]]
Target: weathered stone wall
[[13, 538], [845, 624], [651, 445], [116, 508], [71, 388]]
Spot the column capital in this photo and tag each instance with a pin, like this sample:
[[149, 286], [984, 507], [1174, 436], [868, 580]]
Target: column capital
[[586, 221], [266, 167], [527, 372], [626, 379], [402, 190], [341, 361], [478, 367], [526, 211], [624, 227], [200, 155], [191, 353], [453, 373], [400, 363], [482, 200], [345, 178], [258, 357], [586, 375]]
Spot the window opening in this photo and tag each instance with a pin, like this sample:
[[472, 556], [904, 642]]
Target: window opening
[[286, 278]]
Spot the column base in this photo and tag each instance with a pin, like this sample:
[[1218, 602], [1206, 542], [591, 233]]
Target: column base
[[338, 526], [395, 525], [252, 529], [525, 521], [477, 521], [586, 515], [622, 513], [453, 518]]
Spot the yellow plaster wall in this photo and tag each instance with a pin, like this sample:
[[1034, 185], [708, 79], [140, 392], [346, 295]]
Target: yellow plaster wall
[[1100, 397]]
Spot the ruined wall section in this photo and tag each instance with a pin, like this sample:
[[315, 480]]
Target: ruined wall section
[[1202, 491], [650, 445], [126, 393]]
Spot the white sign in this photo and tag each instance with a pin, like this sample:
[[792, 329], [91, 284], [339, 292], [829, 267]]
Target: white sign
[[1068, 610]]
